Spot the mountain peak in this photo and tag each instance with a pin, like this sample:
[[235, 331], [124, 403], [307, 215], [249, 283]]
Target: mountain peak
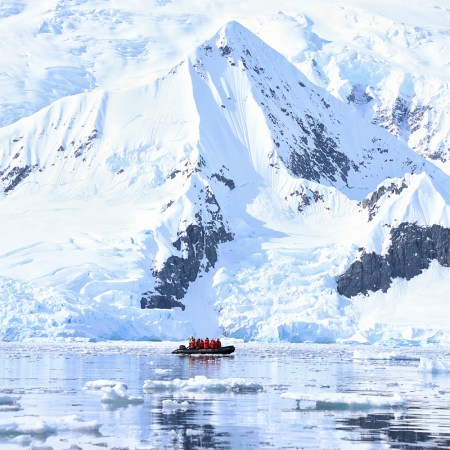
[[233, 27], [234, 30], [234, 39], [229, 179], [299, 125]]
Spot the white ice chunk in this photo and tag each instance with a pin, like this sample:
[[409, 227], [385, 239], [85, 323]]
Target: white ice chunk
[[113, 392], [100, 384], [203, 384], [30, 425], [176, 435], [22, 440], [433, 365], [170, 406], [118, 395], [344, 400], [9, 399], [192, 432], [162, 371]]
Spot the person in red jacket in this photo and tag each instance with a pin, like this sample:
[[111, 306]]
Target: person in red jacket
[[202, 343], [197, 345], [212, 344], [206, 343], [218, 343], [191, 342]]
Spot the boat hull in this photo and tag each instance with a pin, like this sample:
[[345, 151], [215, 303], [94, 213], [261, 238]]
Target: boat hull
[[205, 351]]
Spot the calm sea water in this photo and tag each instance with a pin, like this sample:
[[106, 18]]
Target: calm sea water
[[50, 380]]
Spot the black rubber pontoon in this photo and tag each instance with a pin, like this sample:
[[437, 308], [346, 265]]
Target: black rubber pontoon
[[204, 351]]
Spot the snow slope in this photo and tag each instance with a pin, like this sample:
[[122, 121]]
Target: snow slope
[[388, 60], [138, 151]]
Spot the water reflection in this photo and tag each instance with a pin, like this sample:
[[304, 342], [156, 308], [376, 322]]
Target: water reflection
[[205, 423], [51, 385], [187, 433], [204, 359], [404, 431], [188, 427]]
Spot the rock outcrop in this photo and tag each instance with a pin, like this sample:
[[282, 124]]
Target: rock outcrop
[[412, 249], [198, 244]]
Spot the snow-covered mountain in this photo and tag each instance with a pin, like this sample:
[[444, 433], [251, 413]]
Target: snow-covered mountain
[[232, 194]]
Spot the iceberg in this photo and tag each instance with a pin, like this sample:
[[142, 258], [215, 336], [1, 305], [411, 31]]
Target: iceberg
[[344, 400], [204, 384], [433, 365]]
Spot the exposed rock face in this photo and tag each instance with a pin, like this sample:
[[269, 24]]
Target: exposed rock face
[[325, 160], [198, 244], [312, 151], [11, 177], [19, 169], [410, 119], [226, 181], [86, 145], [359, 95], [411, 251], [308, 147], [408, 113], [305, 197], [371, 203]]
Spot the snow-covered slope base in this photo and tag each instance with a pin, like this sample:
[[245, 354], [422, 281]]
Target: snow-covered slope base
[[226, 195]]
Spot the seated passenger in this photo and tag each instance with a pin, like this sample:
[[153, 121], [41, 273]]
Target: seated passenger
[[212, 344], [206, 343], [218, 343]]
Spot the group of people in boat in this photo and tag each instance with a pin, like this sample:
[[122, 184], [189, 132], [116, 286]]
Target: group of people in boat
[[206, 343]]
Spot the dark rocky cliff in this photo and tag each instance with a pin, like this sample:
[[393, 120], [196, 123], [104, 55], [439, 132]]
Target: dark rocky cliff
[[411, 251], [199, 245]]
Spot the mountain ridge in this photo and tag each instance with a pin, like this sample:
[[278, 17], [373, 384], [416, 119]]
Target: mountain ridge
[[218, 165]]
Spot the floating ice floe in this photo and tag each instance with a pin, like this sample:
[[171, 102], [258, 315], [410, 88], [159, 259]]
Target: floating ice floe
[[359, 354], [10, 403], [433, 365], [113, 392], [175, 435], [9, 399], [343, 400], [100, 384], [31, 425], [162, 371], [193, 432], [203, 384], [23, 440], [170, 406], [118, 395]]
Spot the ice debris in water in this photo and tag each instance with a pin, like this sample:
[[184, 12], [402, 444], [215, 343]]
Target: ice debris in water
[[9, 399], [162, 371], [118, 395], [22, 440], [113, 392], [433, 365], [100, 384], [344, 400], [359, 354], [10, 403], [39, 425], [203, 384], [170, 406], [192, 432]]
